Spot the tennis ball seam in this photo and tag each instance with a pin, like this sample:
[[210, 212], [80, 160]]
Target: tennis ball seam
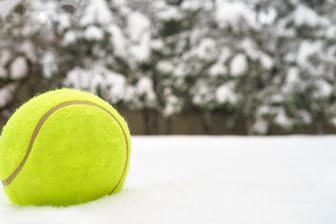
[[45, 117]]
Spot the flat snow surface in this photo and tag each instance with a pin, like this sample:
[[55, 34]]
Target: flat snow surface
[[174, 180]]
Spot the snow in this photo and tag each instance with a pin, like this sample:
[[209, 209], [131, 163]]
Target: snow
[[171, 13], [70, 37], [5, 57], [112, 84], [64, 22], [173, 105], [45, 14], [157, 44], [330, 32], [138, 27], [257, 180], [93, 33], [324, 89], [267, 16], [239, 65], [97, 12], [305, 116], [49, 64], [226, 94], [202, 93], [249, 46], [282, 119], [192, 5], [18, 68], [235, 15], [3, 73], [306, 50], [28, 48], [115, 85], [119, 3], [305, 16], [206, 49], [6, 6], [165, 67], [260, 126], [7, 94], [141, 53], [292, 81], [118, 41], [225, 54], [266, 61], [145, 88], [217, 69]]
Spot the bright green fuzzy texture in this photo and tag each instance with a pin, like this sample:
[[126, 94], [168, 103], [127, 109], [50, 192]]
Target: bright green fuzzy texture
[[78, 155]]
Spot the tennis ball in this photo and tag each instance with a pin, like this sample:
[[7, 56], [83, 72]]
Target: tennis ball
[[64, 147]]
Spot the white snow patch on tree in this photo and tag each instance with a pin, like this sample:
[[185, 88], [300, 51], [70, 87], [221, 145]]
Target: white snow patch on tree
[[7, 94], [5, 57], [78, 78], [171, 13], [225, 54], [97, 12], [235, 15], [69, 37], [119, 3], [305, 16], [157, 44], [266, 61], [282, 119], [330, 32], [165, 67], [141, 52], [3, 73], [115, 85], [49, 64], [6, 6], [292, 81], [306, 50], [118, 41], [267, 16], [93, 33], [192, 5], [18, 68], [181, 70], [250, 48], [145, 89], [172, 105], [64, 21], [324, 89], [260, 126], [217, 69], [28, 48], [202, 94], [239, 65], [206, 49], [226, 94], [306, 117], [138, 27], [48, 13]]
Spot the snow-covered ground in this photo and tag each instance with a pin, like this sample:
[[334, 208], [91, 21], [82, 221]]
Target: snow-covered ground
[[254, 180]]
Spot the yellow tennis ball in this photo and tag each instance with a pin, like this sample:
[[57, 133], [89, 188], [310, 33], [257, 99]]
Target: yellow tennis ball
[[64, 147]]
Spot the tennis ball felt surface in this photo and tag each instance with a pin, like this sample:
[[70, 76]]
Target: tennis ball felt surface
[[64, 147]]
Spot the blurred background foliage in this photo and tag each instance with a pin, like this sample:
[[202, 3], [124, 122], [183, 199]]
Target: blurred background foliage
[[179, 66]]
